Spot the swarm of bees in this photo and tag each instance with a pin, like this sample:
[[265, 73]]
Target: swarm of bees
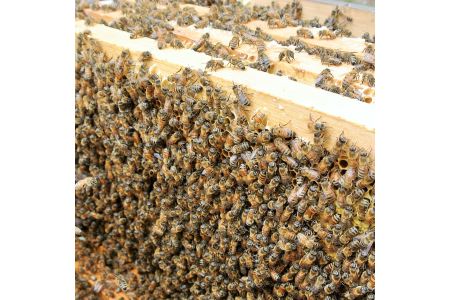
[[186, 196], [146, 19], [325, 80]]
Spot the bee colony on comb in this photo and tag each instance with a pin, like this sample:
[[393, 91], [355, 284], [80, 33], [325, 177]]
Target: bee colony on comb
[[202, 175]]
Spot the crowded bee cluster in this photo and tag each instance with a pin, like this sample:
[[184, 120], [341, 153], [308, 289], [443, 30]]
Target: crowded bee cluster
[[182, 192], [149, 19]]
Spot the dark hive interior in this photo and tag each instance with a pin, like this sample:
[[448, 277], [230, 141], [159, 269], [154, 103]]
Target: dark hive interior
[[182, 193]]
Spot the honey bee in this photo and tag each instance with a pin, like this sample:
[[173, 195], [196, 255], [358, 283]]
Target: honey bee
[[368, 78], [281, 146], [121, 282], [260, 45], [241, 95], [283, 132], [370, 49], [259, 120], [263, 62], [286, 54], [327, 34], [305, 33], [215, 65], [235, 63], [286, 214], [346, 181], [370, 215], [310, 212], [201, 43], [348, 235], [234, 42], [341, 143], [311, 174], [330, 60], [358, 291], [284, 175], [276, 23], [146, 56]]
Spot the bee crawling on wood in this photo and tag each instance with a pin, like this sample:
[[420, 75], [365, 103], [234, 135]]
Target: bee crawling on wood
[[276, 23], [235, 63], [286, 54], [324, 77], [215, 64], [201, 42], [368, 78], [146, 56], [202, 23], [263, 63], [326, 34], [174, 41], [330, 60], [305, 33], [234, 42], [366, 37], [241, 95]]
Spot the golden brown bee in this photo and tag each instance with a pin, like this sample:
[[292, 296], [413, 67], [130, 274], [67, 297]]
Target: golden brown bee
[[215, 65], [146, 56], [285, 233], [305, 33], [286, 214], [310, 212], [324, 77], [235, 63], [306, 241], [284, 173], [301, 275], [241, 95], [260, 120], [311, 174], [260, 45], [346, 181], [370, 49], [201, 42], [340, 145], [276, 23], [327, 34], [282, 147], [283, 132], [286, 54], [329, 60], [264, 137], [316, 126], [237, 149], [348, 235], [202, 24], [358, 291], [234, 42], [290, 161], [363, 164], [368, 78], [370, 215]]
